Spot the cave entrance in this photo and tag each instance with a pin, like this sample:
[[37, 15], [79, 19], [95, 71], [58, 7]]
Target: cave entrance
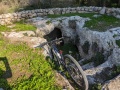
[[56, 33], [67, 47]]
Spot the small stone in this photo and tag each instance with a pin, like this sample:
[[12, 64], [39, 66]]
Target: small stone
[[96, 16], [51, 12], [102, 11], [118, 16]]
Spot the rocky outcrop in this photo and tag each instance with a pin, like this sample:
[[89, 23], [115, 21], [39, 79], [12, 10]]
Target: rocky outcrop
[[91, 42], [67, 25], [28, 37], [88, 42]]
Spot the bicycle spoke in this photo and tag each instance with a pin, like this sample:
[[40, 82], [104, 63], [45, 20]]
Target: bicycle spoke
[[76, 72]]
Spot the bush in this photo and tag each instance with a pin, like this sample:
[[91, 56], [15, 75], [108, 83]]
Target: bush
[[98, 59], [118, 42]]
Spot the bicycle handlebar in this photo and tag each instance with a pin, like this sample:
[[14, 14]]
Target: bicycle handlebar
[[56, 40]]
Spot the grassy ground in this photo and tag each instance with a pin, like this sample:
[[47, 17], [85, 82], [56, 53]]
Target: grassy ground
[[23, 68], [18, 26], [101, 23]]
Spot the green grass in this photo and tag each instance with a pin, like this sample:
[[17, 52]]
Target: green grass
[[101, 23], [29, 68], [22, 26], [4, 28], [18, 26], [72, 14], [96, 87]]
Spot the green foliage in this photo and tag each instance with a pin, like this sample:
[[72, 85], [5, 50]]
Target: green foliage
[[48, 22], [96, 87], [1, 72], [98, 59], [4, 28], [22, 26], [33, 71], [86, 61], [69, 47], [115, 72], [18, 26], [72, 14], [102, 23], [118, 42], [4, 84], [115, 35]]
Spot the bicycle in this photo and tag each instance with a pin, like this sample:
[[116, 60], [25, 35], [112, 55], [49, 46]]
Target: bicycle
[[67, 62]]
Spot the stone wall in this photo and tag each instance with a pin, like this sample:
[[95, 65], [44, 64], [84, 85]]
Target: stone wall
[[17, 16]]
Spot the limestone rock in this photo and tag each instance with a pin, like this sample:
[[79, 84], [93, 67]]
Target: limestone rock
[[104, 41], [24, 36], [102, 11], [51, 12], [115, 57], [118, 16], [113, 84], [68, 25]]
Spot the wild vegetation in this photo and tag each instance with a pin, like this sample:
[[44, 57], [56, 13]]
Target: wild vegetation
[[23, 68], [18, 26]]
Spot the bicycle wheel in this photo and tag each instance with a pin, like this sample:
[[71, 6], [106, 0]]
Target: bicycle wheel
[[76, 72]]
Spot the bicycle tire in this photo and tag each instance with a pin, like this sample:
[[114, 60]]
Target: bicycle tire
[[79, 68]]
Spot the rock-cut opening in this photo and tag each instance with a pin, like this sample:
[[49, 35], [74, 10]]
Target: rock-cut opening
[[56, 33]]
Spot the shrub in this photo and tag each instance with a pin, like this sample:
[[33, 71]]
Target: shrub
[[96, 87], [98, 59], [118, 42]]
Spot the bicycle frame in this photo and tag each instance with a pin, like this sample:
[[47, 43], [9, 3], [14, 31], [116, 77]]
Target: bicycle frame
[[59, 55], [61, 60]]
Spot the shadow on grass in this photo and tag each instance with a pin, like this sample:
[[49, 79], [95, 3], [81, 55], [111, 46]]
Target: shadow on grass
[[5, 74]]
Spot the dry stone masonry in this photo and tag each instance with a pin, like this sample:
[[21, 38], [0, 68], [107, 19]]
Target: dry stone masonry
[[17, 16]]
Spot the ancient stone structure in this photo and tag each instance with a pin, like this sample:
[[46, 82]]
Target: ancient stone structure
[[17, 16]]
